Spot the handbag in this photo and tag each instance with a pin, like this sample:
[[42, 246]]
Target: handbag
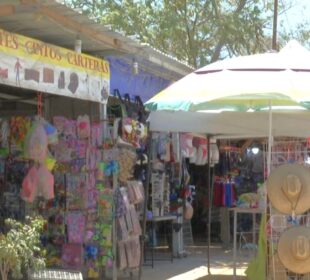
[[130, 107], [117, 110], [142, 114]]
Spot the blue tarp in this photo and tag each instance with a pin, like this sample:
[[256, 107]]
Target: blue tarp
[[144, 84]]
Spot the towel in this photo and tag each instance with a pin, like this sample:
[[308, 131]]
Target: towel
[[257, 268]]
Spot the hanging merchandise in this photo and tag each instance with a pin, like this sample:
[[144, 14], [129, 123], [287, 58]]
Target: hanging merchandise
[[83, 127], [135, 192], [133, 132], [188, 211], [175, 142], [19, 127], [224, 193], [81, 181], [186, 145], [51, 132], [157, 181], [202, 151], [38, 182], [288, 188], [4, 134], [36, 142], [76, 227], [293, 249], [214, 152], [126, 159], [72, 256], [129, 228]]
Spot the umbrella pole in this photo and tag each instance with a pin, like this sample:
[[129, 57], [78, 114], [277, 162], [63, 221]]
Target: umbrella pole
[[209, 204], [146, 199], [269, 140]]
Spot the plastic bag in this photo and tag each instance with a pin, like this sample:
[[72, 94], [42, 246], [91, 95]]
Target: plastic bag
[[29, 185], [36, 143], [45, 182], [38, 182]]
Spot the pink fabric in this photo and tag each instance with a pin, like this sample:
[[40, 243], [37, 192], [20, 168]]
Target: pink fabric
[[186, 143], [29, 185], [36, 143], [38, 181], [197, 141], [45, 182]]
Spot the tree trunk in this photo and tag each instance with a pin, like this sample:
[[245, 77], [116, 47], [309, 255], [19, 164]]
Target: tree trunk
[[4, 275]]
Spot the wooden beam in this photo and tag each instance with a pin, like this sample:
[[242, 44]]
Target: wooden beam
[[7, 10], [79, 28]]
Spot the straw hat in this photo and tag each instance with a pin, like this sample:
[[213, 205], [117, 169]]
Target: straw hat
[[288, 188], [294, 249]]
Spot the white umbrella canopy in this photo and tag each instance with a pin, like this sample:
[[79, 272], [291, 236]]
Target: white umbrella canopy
[[242, 83], [234, 124]]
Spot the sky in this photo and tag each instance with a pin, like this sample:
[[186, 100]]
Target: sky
[[297, 14]]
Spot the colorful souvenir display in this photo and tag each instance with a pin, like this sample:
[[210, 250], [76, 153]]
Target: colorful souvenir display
[[65, 170], [129, 228]]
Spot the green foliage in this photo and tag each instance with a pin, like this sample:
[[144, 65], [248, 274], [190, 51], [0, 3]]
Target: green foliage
[[20, 247], [197, 31]]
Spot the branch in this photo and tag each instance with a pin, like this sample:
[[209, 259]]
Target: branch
[[222, 40]]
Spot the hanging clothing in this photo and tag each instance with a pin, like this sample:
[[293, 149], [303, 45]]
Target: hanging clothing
[[229, 195], [224, 194], [218, 194]]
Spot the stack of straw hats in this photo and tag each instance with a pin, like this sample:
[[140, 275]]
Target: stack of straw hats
[[288, 189]]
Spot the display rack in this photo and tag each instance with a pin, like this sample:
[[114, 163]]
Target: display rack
[[286, 150]]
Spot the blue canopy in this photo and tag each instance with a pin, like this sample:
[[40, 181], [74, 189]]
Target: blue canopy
[[144, 84]]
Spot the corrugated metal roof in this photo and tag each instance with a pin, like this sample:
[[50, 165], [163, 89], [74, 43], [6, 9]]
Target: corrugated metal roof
[[53, 22]]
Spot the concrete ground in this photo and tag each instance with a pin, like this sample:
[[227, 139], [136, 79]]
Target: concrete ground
[[194, 266]]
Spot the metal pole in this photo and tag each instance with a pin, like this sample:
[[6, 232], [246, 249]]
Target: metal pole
[[235, 244], [114, 229], [103, 118], [146, 197], [209, 204], [269, 140], [275, 25]]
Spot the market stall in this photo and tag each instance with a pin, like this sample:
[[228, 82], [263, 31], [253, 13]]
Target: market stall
[[60, 158], [252, 83]]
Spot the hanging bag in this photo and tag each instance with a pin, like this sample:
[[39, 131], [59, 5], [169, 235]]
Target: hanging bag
[[117, 110], [142, 114], [130, 107]]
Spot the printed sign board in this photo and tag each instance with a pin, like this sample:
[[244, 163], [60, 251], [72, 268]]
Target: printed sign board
[[32, 64]]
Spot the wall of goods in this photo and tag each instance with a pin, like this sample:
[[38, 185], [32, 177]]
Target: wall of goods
[[81, 176]]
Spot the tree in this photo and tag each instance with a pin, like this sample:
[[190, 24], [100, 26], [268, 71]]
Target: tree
[[20, 247], [197, 31]]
